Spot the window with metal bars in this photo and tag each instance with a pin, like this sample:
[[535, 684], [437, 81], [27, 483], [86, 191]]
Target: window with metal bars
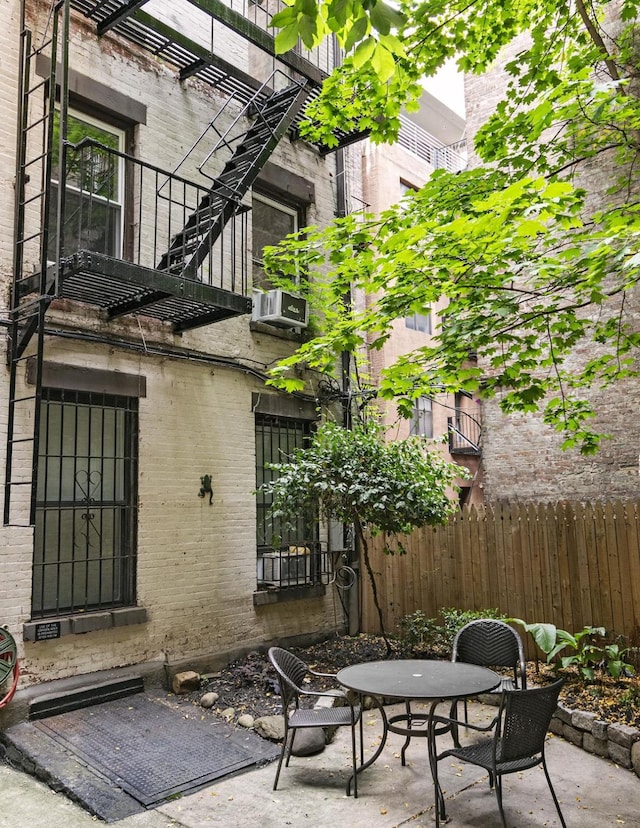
[[86, 503], [276, 439]]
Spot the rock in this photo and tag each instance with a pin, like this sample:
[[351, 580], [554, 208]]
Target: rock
[[185, 682], [564, 713], [635, 758], [583, 720], [228, 713], [246, 721], [619, 754], [623, 735], [270, 727], [209, 699], [308, 741]]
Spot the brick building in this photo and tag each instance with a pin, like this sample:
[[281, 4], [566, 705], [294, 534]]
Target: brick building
[[522, 457], [150, 151], [431, 138]]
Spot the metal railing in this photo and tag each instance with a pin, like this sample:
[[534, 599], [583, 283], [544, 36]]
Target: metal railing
[[421, 143], [129, 209], [464, 434], [260, 13], [292, 565]]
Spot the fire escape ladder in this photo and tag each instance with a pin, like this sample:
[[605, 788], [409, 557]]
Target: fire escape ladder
[[34, 282], [272, 113]]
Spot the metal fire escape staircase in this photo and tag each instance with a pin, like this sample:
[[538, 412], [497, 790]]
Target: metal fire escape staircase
[[273, 114], [176, 287]]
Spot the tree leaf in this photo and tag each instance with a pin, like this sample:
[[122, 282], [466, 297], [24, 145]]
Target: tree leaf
[[286, 38], [383, 63]]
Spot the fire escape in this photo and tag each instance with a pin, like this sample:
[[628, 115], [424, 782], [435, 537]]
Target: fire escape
[[182, 258]]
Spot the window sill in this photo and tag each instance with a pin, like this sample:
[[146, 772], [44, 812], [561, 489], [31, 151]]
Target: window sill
[[262, 597], [52, 628]]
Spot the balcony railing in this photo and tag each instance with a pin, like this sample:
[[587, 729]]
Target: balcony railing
[[130, 210], [464, 434], [426, 146]]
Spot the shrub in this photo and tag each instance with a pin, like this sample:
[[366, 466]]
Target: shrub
[[420, 635]]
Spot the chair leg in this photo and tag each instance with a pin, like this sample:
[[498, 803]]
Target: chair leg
[[453, 714], [498, 788], [553, 793], [289, 752], [353, 762], [282, 753]]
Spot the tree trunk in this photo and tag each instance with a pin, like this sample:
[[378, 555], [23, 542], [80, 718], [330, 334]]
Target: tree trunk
[[372, 580]]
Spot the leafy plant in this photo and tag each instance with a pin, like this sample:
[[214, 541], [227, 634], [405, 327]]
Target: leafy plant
[[587, 654], [359, 478], [420, 634], [531, 275]]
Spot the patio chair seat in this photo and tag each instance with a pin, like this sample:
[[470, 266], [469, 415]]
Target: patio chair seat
[[323, 717]]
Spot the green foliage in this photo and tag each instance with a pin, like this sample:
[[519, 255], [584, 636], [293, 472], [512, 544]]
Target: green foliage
[[587, 653], [630, 699], [356, 476], [454, 619], [420, 635], [530, 270]]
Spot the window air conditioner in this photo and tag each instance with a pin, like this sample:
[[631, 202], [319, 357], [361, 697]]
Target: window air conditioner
[[286, 568], [277, 307]]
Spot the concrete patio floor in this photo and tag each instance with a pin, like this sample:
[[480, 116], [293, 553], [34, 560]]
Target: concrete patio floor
[[593, 793]]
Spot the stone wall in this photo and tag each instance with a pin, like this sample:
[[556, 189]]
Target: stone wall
[[618, 742]]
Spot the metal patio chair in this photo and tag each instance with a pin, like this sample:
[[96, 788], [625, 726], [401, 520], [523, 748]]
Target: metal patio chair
[[291, 674], [518, 741], [490, 643]]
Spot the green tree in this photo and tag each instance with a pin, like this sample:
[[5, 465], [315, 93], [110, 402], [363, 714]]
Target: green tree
[[534, 260], [356, 477]]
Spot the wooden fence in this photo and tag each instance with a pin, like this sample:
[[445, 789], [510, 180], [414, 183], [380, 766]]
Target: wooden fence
[[569, 563]]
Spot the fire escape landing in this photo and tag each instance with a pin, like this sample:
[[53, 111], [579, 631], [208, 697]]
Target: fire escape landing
[[180, 256]]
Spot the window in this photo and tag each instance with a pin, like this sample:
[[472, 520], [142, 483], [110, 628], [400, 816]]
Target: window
[[405, 187], [419, 322], [94, 187], [84, 550], [276, 439], [271, 222], [422, 417]]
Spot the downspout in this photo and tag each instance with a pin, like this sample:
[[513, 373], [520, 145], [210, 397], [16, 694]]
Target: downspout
[[345, 358]]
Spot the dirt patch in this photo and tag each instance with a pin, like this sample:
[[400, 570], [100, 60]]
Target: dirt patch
[[249, 685]]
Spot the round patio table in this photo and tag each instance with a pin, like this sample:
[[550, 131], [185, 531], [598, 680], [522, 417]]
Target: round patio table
[[417, 680]]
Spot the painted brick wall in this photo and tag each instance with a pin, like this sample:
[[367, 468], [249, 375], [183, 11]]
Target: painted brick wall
[[196, 563]]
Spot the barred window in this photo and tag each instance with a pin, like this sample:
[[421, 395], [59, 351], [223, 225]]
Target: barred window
[[86, 512], [276, 439]]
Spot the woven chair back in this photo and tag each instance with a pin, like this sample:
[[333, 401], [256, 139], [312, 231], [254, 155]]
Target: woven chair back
[[525, 719]]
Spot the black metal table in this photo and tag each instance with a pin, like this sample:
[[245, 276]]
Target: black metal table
[[416, 680]]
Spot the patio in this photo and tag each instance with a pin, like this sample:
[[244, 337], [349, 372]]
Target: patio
[[593, 793]]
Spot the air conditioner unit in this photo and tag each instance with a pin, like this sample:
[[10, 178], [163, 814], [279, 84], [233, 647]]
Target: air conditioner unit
[[286, 568], [277, 307]]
